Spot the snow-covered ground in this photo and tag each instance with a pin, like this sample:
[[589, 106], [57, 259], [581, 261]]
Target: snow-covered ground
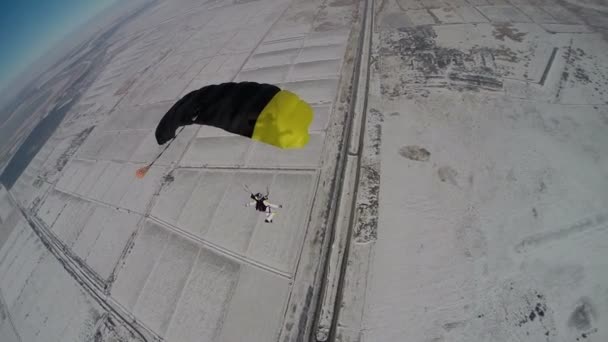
[[492, 171], [93, 251], [480, 212]]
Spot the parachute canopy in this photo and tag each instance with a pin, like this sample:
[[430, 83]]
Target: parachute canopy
[[262, 112]]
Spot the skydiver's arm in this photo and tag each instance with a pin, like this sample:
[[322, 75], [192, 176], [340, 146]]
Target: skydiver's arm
[[273, 206], [250, 204]]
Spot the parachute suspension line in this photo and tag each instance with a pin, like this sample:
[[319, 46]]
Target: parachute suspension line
[[246, 188], [141, 172]]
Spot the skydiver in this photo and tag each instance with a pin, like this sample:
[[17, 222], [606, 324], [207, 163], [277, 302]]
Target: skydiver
[[262, 204]]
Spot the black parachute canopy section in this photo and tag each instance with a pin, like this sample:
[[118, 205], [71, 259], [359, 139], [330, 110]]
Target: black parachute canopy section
[[262, 112]]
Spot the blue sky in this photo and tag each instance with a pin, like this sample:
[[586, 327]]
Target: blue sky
[[28, 28]]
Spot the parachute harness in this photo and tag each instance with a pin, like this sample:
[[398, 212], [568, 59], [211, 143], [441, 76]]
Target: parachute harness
[[261, 203]]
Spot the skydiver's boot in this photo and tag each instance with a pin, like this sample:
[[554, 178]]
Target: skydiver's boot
[[269, 216]]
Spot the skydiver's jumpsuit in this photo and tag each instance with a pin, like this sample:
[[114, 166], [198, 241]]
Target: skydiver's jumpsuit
[[264, 206]]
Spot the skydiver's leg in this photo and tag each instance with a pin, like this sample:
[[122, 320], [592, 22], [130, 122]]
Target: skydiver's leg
[[269, 215]]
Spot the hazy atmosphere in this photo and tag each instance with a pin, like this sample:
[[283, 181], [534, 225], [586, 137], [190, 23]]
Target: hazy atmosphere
[[28, 28]]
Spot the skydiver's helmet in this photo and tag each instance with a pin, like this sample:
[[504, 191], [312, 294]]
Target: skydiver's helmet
[[258, 197]]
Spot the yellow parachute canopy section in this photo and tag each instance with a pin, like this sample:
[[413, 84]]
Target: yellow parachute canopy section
[[284, 121]]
